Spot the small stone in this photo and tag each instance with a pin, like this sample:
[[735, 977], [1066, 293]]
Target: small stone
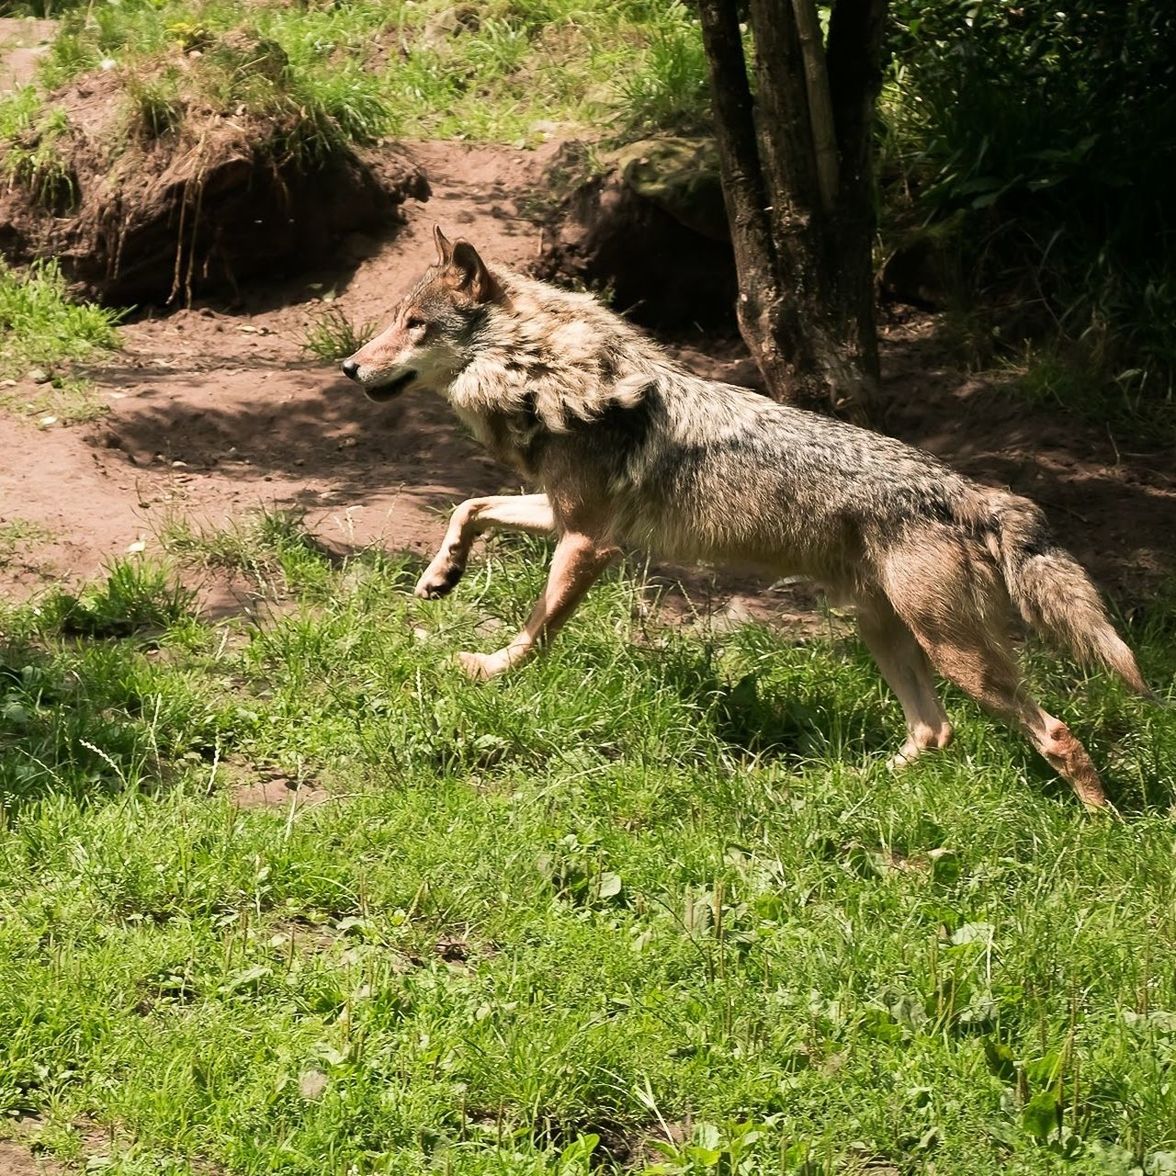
[[39, 376]]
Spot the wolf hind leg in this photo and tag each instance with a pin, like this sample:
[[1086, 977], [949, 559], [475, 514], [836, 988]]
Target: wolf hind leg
[[907, 672], [503, 512], [952, 600], [576, 565], [990, 675]]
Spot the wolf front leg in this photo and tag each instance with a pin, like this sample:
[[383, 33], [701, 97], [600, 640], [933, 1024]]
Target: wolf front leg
[[504, 512], [575, 566]]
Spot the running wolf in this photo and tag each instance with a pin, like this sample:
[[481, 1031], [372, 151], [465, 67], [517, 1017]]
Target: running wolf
[[630, 449]]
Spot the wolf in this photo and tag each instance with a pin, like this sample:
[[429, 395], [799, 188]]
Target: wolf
[[629, 449]]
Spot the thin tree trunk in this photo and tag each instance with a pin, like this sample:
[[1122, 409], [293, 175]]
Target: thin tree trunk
[[743, 189], [820, 104], [855, 76], [796, 179]]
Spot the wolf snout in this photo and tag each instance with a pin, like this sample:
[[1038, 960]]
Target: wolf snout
[[350, 369]]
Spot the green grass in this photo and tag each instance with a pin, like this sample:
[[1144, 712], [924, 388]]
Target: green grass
[[17, 534], [332, 335], [656, 889], [34, 151], [417, 68], [40, 327], [1079, 380]]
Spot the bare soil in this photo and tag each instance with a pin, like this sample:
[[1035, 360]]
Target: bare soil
[[213, 414], [18, 1161]]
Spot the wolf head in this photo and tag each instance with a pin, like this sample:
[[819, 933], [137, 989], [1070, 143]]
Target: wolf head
[[428, 341]]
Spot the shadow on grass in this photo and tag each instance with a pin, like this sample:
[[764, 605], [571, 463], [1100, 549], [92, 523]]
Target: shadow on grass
[[755, 718], [73, 729]]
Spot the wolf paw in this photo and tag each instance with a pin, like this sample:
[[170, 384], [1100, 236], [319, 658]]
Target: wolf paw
[[479, 666], [438, 580], [924, 738], [904, 757]]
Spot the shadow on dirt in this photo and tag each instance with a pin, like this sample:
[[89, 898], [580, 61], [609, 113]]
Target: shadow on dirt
[[1111, 502], [321, 432]]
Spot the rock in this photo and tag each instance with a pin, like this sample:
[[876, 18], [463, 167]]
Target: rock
[[680, 176], [651, 228]]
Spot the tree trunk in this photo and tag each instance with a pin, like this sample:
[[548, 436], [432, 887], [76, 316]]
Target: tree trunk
[[797, 182]]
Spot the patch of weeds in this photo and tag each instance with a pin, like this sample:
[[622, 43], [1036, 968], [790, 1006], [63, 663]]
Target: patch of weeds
[[18, 534], [40, 325], [1081, 380], [155, 107], [66, 400], [507, 70], [175, 72], [33, 156], [332, 335], [135, 596], [670, 90], [273, 549]]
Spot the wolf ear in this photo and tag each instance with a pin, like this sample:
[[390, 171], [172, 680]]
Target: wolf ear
[[471, 273], [444, 248]]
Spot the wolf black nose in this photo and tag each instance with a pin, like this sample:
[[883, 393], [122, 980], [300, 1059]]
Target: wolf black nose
[[351, 369]]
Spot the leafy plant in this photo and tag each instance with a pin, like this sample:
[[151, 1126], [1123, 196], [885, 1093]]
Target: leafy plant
[[1048, 128]]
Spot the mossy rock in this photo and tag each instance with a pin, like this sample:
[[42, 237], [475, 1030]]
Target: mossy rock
[[680, 176]]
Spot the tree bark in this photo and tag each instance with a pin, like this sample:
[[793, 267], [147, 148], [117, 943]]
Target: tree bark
[[797, 181], [820, 104], [743, 188]]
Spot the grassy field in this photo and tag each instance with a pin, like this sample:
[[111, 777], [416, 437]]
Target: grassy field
[[653, 903]]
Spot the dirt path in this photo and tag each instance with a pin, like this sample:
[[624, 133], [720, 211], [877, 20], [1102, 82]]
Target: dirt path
[[23, 42], [213, 414], [18, 1161]]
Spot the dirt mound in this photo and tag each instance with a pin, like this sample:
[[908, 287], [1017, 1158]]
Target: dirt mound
[[649, 227], [159, 185]]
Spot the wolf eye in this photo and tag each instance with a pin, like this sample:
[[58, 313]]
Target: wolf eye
[[413, 323]]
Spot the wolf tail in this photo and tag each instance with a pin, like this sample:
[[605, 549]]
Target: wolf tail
[[1051, 589]]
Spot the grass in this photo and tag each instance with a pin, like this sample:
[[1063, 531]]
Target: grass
[[40, 327], [651, 903], [332, 335], [17, 534], [34, 155], [416, 68]]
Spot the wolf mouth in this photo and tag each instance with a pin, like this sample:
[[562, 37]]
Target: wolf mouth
[[392, 388]]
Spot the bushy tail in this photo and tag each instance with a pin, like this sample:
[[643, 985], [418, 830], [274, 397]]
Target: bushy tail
[[1051, 589]]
